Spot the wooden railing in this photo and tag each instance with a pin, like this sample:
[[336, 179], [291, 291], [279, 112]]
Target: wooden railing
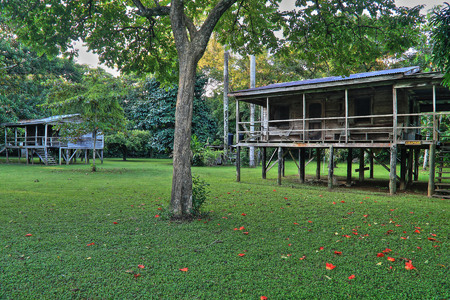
[[348, 129]]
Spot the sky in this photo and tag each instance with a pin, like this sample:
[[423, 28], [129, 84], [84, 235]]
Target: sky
[[91, 59]]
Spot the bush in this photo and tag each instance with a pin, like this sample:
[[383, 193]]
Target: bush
[[199, 194]]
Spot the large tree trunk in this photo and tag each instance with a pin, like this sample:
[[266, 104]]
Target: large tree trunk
[[181, 200]]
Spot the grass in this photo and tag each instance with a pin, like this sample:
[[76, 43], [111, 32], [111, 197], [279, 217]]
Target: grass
[[76, 250]]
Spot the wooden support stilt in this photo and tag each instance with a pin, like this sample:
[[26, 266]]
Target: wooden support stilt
[[67, 157], [371, 163], [302, 157], [60, 156], [238, 164], [318, 158], [101, 156], [283, 165], [393, 171], [86, 161], [416, 164], [402, 169], [361, 164], [349, 166], [26, 155], [432, 154], [280, 165], [263, 162], [409, 166], [330, 168]]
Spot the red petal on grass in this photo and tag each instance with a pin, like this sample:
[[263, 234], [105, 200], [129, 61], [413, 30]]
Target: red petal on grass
[[285, 198], [342, 201], [398, 225], [141, 266], [432, 234], [417, 227], [235, 229], [303, 257], [346, 235], [136, 275], [274, 190], [355, 233], [387, 250], [330, 266], [246, 233], [295, 223], [263, 298], [90, 244], [420, 248], [365, 216], [289, 245], [417, 231], [334, 202], [390, 259], [28, 234], [309, 221], [184, 269], [159, 208], [432, 239], [351, 277], [409, 266], [244, 214], [380, 254], [337, 252], [320, 248], [241, 228], [156, 216], [403, 238], [241, 254], [115, 223]]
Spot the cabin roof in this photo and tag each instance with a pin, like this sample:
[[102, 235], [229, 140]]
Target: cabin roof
[[49, 120], [330, 82]]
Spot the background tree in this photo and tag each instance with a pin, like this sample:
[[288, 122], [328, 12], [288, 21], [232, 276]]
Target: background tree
[[96, 100], [130, 141], [441, 40], [153, 109]]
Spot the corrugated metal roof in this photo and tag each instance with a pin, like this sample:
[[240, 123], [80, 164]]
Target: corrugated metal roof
[[404, 71], [53, 119]]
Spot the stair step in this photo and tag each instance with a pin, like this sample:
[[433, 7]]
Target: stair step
[[441, 177], [442, 183], [441, 196], [442, 191]]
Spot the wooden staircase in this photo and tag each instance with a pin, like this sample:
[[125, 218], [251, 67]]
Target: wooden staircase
[[442, 179], [41, 153]]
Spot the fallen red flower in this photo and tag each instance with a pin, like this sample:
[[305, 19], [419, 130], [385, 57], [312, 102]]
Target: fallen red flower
[[303, 257], [320, 248], [337, 252], [409, 266], [241, 228], [115, 223], [241, 254], [431, 239], [141, 266], [390, 259], [387, 250], [28, 234], [246, 233], [334, 202], [330, 266], [380, 255], [417, 231], [244, 214], [351, 277], [90, 244], [309, 221], [156, 216], [263, 298], [365, 216], [137, 275], [342, 201], [295, 223], [184, 269], [346, 235]]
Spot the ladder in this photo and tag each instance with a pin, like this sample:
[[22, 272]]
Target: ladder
[[41, 153], [442, 178]]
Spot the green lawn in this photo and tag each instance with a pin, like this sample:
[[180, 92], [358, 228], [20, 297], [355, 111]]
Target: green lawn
[[287, 235]]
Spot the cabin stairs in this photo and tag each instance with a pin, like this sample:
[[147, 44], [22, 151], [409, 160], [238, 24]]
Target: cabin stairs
[[442, 178], [41, 154]]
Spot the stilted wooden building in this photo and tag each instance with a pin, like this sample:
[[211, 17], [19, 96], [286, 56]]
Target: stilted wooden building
[[40, 138], [400, 110]]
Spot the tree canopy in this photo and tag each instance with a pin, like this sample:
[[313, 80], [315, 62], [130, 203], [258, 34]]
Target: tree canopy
[[441, 40]]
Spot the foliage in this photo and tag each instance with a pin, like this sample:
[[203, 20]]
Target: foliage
[[441, 40], [200, 194], [134, 142], [65, 216], [151, 107], [343, 37], [96, 100], [25, 78], [203, 155]]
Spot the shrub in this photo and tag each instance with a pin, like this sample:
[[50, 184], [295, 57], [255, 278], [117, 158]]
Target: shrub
[[199, 194]]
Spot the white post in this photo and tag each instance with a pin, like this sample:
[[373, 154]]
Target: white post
[[346, 116], [225, 102], [252, 110], [435, 127], [304, 117], [394, 114]]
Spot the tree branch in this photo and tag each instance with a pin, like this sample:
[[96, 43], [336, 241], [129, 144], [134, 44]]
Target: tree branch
[[149, 13]]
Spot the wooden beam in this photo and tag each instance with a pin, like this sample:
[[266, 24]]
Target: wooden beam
[[330, 168], [346, 116], [263, 162], [394, 115], [416, 164], [432, 154], [238, 164], [409, 168], [302, 157], [393, 170], [349, 166], [280, 163], [402, 169], [361, 165], [370, 163], [318, 157], [304, 117]]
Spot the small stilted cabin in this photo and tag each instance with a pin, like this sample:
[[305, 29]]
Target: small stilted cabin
[[40, 138], [400, 110]]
